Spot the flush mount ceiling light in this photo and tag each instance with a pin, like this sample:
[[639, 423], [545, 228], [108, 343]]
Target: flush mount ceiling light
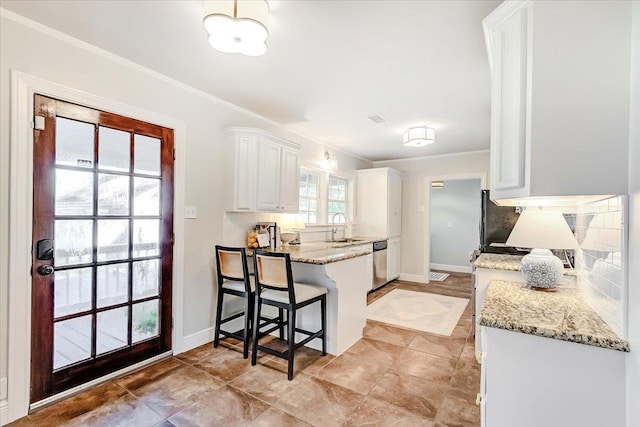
[[419, 136], [237, 26]]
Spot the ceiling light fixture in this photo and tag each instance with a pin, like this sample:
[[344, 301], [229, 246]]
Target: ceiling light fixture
[[419, 136], [237, 26]]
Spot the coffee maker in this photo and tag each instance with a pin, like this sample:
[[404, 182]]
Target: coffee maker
[[271, 228]]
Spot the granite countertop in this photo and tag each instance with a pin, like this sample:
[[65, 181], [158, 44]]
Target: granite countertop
[[499, 262], [562, 315], [328, 252], [506, 262]]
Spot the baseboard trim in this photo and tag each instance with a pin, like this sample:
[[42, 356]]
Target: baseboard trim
[[450, 267], [4, 412], [3, 388], [418, 278], [198, 338]]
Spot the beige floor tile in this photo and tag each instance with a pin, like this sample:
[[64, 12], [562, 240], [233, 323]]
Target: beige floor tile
[[227, 365], [353, 372], [374, 351], [198, 354], [124, 412], [411, 393], [226, 406], [306, 360], [438, 345], [172, 392], [458, 412], [374, 412], [320, 402], [387, 333], [267, 381], [274, 417], [433, 368], [75, 406]]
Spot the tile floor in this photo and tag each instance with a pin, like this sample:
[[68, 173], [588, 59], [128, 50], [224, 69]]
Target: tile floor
[[392, 376]]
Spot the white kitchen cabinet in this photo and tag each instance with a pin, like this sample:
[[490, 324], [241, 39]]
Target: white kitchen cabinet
[[393, 259], [379, 202], [559, 103], [532, 381], [265, 170]]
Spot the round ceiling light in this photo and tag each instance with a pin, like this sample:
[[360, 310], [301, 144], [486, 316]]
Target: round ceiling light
[[419, 136]]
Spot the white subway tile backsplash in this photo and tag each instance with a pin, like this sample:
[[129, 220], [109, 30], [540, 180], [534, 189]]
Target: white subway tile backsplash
[[599, 228]]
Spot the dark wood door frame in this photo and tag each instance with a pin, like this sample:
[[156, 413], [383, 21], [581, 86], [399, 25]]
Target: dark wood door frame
[[44, 381]]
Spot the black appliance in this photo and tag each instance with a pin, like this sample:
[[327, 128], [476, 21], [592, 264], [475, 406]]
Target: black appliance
[[496, 223]]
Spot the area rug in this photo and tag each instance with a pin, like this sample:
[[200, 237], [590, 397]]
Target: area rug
[[438, 277], [433, 313]]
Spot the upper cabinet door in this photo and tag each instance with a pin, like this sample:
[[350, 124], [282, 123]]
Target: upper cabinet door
[[268, 176], [289, 181], [509, 136], [244, 195]]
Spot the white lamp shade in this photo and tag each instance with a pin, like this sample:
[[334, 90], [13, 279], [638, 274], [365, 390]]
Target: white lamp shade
[[543, 229], [419, 136]]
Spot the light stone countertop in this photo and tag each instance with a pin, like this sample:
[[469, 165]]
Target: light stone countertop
[[328, 252], [499, 262], [562, 315]]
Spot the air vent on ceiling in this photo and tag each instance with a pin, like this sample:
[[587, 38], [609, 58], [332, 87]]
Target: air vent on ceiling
[[377, 118]]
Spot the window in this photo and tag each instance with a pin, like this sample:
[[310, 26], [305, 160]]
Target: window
[[309, 197], [337, 201]]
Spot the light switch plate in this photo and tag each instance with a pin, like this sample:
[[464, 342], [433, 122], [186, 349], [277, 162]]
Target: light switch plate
[[190, 212]]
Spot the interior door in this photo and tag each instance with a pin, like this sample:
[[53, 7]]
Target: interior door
[[102, 244]]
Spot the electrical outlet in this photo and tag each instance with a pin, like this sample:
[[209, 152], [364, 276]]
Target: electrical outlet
[[449, 225]]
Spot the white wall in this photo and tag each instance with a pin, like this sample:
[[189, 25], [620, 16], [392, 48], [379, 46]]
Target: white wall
[[457, 204], [633, 298], [41, 52], [414, 212]]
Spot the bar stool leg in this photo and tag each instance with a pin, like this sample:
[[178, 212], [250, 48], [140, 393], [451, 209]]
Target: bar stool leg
[[256, 330], [216, 337], [323, 316], [291, 336], [281, 323], [247, 331]]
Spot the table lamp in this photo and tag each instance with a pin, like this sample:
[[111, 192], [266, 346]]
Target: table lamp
[[542, 230], [290, 223]]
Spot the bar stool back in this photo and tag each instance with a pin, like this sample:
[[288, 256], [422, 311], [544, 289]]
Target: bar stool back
[[275, 287], [234, 279]]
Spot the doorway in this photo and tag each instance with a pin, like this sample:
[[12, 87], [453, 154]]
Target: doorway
[[452, 221], [102, 253]]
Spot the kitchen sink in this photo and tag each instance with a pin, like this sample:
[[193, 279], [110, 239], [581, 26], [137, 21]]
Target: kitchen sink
[[345, 240]]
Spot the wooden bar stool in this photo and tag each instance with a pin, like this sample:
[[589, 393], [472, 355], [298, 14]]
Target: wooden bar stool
[[234, 279], [275, 287]]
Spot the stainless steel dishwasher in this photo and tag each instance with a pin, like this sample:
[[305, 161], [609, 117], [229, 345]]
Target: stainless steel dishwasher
[[379, 264]]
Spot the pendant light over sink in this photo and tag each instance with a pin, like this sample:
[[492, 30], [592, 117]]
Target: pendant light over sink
[[237, 26]]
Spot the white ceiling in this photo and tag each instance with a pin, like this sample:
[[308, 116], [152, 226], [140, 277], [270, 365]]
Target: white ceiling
[[329, 65]]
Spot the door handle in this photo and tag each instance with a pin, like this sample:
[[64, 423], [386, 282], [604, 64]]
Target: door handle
[[45, 270]]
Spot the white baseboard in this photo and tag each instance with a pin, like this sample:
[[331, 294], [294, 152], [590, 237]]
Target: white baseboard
[[4, 412], [418, 278], [197, 339], [450, 267]]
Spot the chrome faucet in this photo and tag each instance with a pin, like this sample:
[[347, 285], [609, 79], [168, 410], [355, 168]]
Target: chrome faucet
[[334, 228]]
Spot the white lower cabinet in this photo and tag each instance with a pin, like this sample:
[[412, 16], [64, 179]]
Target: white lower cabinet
[[393, 258], [531, 381]]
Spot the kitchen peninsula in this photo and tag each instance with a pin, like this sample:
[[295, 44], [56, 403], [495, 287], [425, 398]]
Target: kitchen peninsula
[[345, 269]]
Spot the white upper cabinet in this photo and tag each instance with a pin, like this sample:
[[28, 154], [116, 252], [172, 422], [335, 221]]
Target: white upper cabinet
[[265, 172], [560, 78], [379, 202]]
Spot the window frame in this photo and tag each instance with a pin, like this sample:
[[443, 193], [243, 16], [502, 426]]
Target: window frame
[[323, 193], [317, 198]]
